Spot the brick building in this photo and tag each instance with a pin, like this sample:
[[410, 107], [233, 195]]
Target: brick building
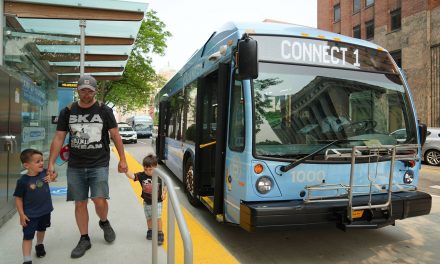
[[408, 29]]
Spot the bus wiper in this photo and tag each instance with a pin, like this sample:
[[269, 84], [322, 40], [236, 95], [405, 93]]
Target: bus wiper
[[294, 156], [311, 155]]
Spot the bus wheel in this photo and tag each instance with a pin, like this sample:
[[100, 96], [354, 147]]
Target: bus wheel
[[188, 181]]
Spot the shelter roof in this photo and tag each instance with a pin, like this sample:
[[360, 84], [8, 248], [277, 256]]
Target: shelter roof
[[51, 31]]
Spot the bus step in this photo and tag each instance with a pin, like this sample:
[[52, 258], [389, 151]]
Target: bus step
[[365, 224], [208, 201]]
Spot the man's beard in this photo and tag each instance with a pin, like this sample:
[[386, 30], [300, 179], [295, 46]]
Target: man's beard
[[87, 100]]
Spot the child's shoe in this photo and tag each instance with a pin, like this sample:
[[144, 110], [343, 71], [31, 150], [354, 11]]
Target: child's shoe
[[39, 249], [149, 234], [27, 262], [160, 238]]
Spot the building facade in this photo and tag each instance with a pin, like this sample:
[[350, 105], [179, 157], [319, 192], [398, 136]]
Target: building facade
[[408, 29]]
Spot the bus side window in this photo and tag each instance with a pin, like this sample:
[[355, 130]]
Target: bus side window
[[236, 126]]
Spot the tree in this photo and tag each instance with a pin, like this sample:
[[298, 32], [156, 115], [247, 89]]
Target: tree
[[139, 79]]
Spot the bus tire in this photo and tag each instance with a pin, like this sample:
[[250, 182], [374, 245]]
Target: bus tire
[[188, 182]]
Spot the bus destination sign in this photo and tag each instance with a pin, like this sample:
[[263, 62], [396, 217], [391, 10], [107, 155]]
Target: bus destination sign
[[323, 53]]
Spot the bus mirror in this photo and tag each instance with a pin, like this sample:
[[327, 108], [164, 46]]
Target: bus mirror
[[423, 132], [247, 58]]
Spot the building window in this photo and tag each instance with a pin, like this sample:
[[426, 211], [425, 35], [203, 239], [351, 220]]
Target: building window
[[369, 3], [369, 26], [397, 56], [357, 32], [396, 22], [337, 13], [356, 6]]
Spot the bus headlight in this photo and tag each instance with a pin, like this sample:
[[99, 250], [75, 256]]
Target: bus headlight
[[408, 177], [264, 184]]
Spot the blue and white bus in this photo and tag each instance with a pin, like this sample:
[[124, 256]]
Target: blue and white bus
[[278, 125]]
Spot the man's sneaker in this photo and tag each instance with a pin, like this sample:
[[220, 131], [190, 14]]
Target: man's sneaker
[[160, 238], [149, 234], [39, 249], [81, 248], [109, 233]]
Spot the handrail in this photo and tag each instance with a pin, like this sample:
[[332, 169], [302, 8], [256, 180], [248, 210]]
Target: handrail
[[174, 210], [207, 144]]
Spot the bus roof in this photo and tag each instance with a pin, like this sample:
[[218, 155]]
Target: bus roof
[[231, 32]]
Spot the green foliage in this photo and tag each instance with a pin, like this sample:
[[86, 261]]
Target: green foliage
[[262, 102], [139, 79]]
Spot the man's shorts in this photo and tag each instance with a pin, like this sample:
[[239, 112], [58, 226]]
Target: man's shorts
[[81, 180], [148, 210], [36, 224]]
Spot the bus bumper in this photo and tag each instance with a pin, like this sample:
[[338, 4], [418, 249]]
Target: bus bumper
[[290, 214]]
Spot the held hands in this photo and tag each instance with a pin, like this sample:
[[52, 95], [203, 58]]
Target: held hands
[[51, 176], [122, 166], [23, 220]]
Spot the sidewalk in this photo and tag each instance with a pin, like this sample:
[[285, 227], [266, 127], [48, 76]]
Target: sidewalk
[[125, 214]]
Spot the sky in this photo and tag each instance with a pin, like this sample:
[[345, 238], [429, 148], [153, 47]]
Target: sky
[[191, 22]]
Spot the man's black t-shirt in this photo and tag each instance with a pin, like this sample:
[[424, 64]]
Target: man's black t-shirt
[[144, 179], [89, 139]]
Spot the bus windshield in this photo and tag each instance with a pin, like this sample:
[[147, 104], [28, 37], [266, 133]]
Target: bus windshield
[[299, 109]]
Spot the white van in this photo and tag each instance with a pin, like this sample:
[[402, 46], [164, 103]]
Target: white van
[[127, 133]]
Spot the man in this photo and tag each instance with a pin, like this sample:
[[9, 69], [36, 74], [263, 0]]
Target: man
[[88, 122]]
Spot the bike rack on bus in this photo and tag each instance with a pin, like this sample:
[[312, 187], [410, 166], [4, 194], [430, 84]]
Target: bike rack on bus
[[174, 211], [345, 192]]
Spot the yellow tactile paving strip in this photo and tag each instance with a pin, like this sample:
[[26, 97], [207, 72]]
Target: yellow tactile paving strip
[[206, 249]]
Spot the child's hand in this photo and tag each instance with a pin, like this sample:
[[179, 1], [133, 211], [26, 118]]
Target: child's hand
[[23, 220], [47, 179], [164, 194], [51, 177]]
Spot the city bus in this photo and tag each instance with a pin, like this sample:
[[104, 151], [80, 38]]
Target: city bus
[[274, 125], [142, 124]]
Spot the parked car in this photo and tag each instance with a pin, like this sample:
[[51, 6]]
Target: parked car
[[399, 135], [127, 133], [431, 148]]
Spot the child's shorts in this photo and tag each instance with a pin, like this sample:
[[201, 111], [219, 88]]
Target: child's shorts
[[148, 210], [36, 224]]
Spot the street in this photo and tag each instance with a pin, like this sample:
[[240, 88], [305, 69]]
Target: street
[[413, 240]]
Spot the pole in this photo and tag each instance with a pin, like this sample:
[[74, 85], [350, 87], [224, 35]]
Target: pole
[[2, 25], [82, 26], [154, 217]]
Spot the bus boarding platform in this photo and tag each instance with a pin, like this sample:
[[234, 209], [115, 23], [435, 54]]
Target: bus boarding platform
[[125, 214]]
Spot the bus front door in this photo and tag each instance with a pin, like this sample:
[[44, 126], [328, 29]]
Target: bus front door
[[162, 130], [211, 117]]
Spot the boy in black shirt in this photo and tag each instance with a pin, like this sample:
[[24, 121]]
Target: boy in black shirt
[[33, 202], [145, 179]]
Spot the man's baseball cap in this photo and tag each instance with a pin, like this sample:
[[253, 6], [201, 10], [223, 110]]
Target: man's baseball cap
[[88, 82]]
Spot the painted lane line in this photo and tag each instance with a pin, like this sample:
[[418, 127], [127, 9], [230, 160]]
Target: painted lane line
[[435, 186]]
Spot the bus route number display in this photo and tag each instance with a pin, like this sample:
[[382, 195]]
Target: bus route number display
[[322, 52]]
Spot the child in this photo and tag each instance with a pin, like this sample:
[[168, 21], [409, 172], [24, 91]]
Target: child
[[146, 180], [33, 202]]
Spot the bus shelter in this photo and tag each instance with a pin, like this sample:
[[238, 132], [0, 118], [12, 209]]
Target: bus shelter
[[47, 44]]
